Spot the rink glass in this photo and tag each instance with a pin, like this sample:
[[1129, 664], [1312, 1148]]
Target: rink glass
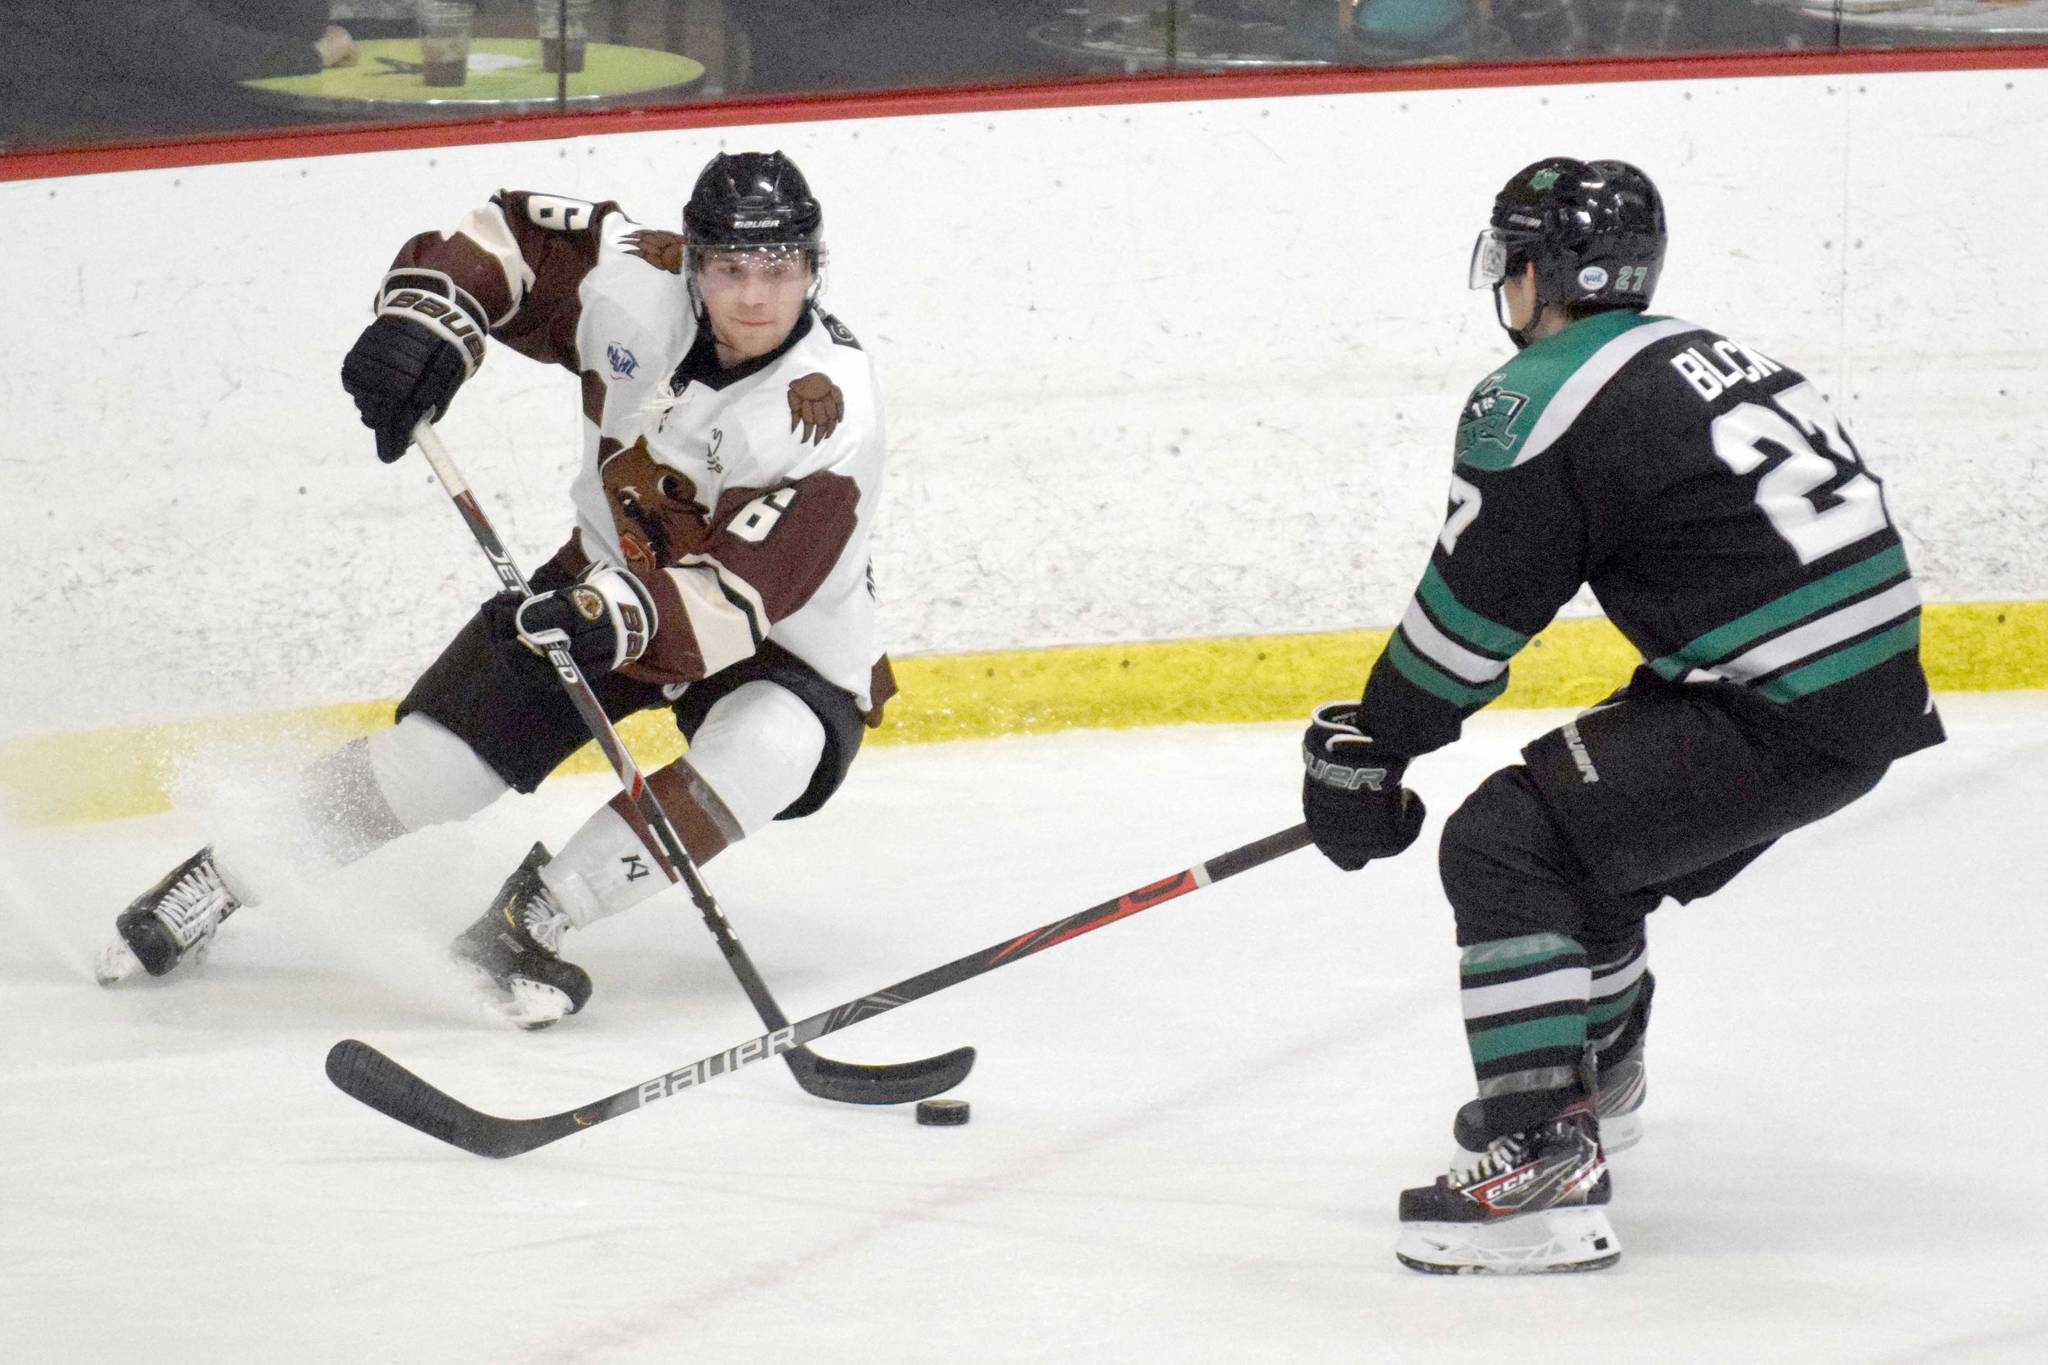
[[57, 94]]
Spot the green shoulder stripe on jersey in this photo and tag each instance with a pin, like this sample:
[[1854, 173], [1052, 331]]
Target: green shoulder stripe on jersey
[[1519, 411], [1844, 663], [1438, 683], [1811, 599], [1468, 625]]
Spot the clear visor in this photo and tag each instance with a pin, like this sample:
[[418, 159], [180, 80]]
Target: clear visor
[[771, 256], [1489, 259]]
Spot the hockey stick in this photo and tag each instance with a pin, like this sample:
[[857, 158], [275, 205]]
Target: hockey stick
[[847, 1082], [384, 1085]]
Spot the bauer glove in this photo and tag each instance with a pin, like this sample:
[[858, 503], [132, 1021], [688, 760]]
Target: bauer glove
[[427, 338], [605, 618], [1351, 795]]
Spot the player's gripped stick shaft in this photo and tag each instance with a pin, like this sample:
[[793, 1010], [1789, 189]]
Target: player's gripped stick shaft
[[384, 1085], [847, 1082]]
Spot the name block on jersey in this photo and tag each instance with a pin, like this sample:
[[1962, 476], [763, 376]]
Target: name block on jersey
[[1709, 379]]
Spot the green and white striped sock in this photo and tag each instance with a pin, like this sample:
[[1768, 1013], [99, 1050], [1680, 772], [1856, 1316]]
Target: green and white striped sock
[[1525, 1013], [1615, 987]]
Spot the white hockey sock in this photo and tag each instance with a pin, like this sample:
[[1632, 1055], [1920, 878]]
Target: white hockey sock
[[756, 750], [428, 776], [345, 811], [356, 800], [336, 814], [754, 754], [603, 869]]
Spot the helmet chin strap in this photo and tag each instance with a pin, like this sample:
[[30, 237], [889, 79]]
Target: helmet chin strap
[[1520, 336], [1500, 314]]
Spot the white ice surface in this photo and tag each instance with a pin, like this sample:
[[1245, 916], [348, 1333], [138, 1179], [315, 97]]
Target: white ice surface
[[1189, 1129]]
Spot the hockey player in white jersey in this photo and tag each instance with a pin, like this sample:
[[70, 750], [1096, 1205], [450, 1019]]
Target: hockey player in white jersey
[[732, 468]]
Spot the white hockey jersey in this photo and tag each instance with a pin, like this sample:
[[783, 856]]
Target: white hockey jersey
[[743, 497]]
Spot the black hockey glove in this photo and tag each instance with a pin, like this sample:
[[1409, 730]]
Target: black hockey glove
[[1352, 797], [606, 618], [427, 338]]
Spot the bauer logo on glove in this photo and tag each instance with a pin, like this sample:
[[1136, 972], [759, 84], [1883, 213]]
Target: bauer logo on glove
[[1351, 793], [1342, 777]]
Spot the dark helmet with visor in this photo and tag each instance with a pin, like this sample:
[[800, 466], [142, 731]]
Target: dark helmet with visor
[[1594, 230], [753, 201]]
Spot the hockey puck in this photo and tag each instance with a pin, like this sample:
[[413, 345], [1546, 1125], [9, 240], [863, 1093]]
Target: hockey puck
[[942, 1113]]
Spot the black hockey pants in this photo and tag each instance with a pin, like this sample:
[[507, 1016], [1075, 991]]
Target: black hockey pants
[[1663, 790]]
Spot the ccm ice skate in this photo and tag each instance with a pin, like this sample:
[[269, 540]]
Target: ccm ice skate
[[172, 922], [515, 950], [1624, 1080], [1523, 1202], [1623, 1085]]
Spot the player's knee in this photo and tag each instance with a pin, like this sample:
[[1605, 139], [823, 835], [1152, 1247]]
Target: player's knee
[[427, 775], [1505, 868], [757, 750]]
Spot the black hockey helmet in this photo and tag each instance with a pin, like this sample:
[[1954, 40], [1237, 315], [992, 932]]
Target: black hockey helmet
[[1594, 230], [753, 201]]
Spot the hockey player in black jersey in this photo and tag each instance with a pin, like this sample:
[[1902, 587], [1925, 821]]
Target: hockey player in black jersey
[[1728, 526]]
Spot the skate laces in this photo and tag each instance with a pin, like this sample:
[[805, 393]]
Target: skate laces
[[1502, 1155], [543, 920], [195, 904]]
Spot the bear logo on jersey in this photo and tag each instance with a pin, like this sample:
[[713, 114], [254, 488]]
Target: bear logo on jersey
[[1490, 417], [815, 404], [662, 250], [654, 508]]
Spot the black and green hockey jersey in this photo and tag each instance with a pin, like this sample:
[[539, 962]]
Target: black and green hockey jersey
[[1718, 510]]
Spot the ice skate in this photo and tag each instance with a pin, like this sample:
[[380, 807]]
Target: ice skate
[[172, 922], [1526, 1202], [1624, 1080], [515, 952], [1623, 1085]]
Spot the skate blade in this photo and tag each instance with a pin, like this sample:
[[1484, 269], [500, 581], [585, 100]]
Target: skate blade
[[521, 1002], [116, 963], [1550, 1242]]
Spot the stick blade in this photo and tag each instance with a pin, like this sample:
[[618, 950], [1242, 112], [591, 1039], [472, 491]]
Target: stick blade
[[363, 1073], [895, 1083]]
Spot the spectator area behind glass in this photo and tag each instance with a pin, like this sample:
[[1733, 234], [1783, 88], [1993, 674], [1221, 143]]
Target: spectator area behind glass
[[92, 72]]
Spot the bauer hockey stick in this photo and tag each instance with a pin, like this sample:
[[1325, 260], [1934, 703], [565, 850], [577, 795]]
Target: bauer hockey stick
[[847, 1082], [370, 1076]]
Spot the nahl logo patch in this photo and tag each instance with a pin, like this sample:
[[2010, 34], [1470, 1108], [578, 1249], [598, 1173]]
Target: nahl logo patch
[[624, 362], [1489, 418]]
